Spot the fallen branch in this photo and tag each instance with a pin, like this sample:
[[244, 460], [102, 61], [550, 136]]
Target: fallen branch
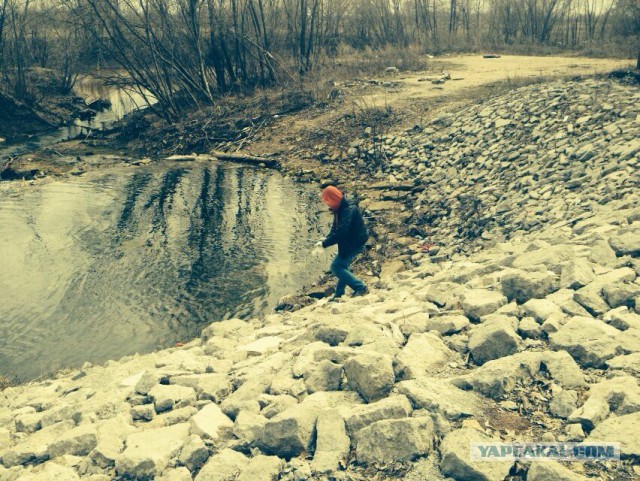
[[245, 158]]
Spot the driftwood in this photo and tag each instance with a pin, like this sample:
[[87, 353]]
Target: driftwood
[[393, 186], [246, 159]]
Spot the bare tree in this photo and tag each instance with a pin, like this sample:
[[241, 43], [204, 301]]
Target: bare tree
[[3, 16]]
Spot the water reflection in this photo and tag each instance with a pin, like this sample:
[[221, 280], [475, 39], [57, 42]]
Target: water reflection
[[128, 261], [122, 101], [89, 88]]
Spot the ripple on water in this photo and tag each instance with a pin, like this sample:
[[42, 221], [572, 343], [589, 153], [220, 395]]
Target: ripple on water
[[125, 261]]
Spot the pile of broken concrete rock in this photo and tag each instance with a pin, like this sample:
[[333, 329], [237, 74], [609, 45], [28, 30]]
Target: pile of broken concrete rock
[[534, 338], [507, 165]]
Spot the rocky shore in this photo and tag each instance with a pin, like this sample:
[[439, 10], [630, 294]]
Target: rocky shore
[[529, 333]]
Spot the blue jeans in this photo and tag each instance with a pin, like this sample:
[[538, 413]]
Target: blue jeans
[[340, 269]]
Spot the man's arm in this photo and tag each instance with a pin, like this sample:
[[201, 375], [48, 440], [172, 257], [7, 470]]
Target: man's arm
[[341, 230]]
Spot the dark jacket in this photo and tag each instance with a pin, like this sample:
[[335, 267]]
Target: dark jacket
[[348, 230]]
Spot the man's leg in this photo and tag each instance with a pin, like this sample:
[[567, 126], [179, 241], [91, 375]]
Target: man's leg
[[340, 268]]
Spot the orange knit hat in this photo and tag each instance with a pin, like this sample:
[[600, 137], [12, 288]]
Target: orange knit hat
[[332, 197]]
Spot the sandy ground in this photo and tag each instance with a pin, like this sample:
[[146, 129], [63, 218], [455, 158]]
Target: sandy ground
[[472, 71]]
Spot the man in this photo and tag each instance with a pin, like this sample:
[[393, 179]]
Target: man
[[350, 233]]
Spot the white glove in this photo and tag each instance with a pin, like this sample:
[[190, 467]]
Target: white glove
[[317, 249]]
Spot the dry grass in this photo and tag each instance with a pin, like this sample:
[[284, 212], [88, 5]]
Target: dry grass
[[350, 63]]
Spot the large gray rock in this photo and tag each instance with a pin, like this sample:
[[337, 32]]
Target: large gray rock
[[623, 430], [373, 337], [28, 422], [309, 355], [111, 437], [194, 453], [332, 444], [541, 309], [620, 395], [623, 319], [629, 363], [394, 440], [576, 273], [591, 342], [361, 416], [591, 300], [210, 423], [564, 299], [5, 438], [529, 328], [273, 405], [602, 254], [324, 376], [149, 452], [144, 412], [48, 472], [423, 354], [627, 242], [457, 464], [524, 285], [439, 294], [35, 447], [256, 384], [630, 340], [479, 302], [261, 468], [370, 374], [228, 464], [415, 322], [169, 474], [331, 334], [492, 341], [331, 400], [551, 471], [229, 329], [175, 416], [262, 346], [213, 386], [61, 412], [621, 294], [497, 378], [563, 403], [447, 325], [148, 380], [552, 257], [78, 442], [248, 427], [165, 396], [290, 433], [439, 395]]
